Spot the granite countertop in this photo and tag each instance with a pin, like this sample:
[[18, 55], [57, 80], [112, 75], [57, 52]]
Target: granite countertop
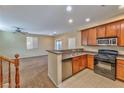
[[65, 51], [80, 51], [55, 51]]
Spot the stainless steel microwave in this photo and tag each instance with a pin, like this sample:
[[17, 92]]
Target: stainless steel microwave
[[107, 41]]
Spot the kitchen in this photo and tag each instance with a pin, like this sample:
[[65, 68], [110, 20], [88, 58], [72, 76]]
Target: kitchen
[[104, 39]]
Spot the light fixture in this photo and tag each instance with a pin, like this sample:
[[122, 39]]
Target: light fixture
[[87, 19], [69, 8], [121, 7], [70, 21]]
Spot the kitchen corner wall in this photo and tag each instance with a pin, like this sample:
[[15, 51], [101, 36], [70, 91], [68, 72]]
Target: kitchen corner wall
[[12, 43]]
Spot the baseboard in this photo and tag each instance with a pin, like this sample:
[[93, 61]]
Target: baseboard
[[52, 80]]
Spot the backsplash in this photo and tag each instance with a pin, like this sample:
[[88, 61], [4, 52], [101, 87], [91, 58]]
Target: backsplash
[[96, 48]]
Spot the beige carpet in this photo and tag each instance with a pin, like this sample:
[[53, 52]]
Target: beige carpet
[[34, 73], [88, 79]]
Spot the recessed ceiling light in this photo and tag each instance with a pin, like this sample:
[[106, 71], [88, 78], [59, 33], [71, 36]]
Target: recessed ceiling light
[[70, 21], [121, 7], [87, 19], [69, 8]]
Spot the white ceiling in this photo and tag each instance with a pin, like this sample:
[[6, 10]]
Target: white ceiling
[[46, 19]]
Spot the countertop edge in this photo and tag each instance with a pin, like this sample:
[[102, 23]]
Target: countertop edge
[[120, 56]]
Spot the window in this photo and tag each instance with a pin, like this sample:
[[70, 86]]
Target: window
[[71, 43], [58, 44], [32, 42]]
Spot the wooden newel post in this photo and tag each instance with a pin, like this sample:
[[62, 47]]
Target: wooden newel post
[[17, 75]]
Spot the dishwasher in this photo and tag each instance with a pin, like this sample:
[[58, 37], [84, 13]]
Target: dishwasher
[[66, 68]]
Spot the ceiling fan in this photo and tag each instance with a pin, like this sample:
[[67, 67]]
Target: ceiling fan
[[19, 30]]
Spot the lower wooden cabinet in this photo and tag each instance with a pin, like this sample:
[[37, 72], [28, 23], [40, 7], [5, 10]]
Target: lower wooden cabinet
[[83, 61], [75, 65], [90, 61], [78, 63], [120, 70]]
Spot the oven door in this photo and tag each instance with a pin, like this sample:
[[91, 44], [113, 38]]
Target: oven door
[[106, 69]]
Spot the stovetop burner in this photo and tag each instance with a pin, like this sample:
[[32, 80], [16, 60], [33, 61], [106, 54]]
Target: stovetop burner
[[106, 58]]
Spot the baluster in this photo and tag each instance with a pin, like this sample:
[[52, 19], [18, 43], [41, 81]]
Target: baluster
[[1, 74], [17, 75], [9, 75]]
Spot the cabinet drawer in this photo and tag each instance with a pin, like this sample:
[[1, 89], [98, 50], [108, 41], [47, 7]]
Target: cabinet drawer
[[120, 62], [76, 58]]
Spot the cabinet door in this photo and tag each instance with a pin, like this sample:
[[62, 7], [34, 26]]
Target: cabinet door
[[84, 37], [121, 35], [83, 61], [120, 69], [112, 29], [101, 31], [75, 65], [90, 61], [92, 36]]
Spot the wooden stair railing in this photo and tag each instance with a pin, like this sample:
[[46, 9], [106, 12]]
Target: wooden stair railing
[[15, 62]]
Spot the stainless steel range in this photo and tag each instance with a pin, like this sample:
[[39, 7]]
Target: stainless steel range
[[105, 63]]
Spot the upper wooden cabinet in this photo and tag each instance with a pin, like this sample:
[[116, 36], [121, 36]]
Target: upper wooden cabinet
[[84, 37], [112, 29], [121, 34], [92, 36], [101, 31]]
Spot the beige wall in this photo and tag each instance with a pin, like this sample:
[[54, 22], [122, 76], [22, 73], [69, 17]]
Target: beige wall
[[64, 37], [12, 43]]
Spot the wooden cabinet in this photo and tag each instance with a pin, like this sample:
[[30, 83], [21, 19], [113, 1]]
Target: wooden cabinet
[[112, 29], [92, 36], [83, 61], [78, 63], [84, 37], [121, 34], [101, 31], [90, 61], [120, 69], [75, 64]]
